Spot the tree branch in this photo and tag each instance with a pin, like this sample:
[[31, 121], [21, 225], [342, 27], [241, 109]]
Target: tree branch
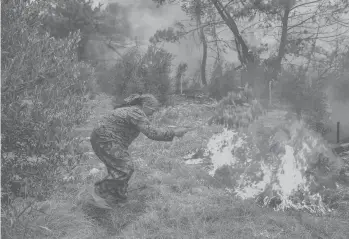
[[226, 5], [112, 48], [202, 26], [233, 27], [298, 24], [311, 53], [303, 4], [344, 24], [250, 26]]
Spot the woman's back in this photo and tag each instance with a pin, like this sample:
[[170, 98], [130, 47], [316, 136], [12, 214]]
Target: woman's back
[[121, 125]]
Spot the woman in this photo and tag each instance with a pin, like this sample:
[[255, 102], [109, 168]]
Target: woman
[[110, 142]]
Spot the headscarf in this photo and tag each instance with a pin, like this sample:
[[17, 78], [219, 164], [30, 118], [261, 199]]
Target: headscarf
[[140, 100]]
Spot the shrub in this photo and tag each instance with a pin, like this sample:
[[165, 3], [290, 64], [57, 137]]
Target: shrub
[[307, 99], [43, 95], [237, 109], [222, 81], [147, 72], [128, 71]]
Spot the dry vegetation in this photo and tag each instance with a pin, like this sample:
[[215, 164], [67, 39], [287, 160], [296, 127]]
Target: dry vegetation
[[180, 201], [48, 112]]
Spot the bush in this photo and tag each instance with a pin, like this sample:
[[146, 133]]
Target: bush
[[307, 99], [147, 72], [222, 81], [237, 109], [43, 94]]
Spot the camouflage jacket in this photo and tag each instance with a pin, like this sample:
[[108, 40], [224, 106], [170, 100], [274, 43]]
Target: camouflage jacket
[[125, 124]]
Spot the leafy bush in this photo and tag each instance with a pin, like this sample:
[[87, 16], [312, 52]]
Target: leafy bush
[[237, 109], [43, 95], [65, 17], [222, 81], [147, 72], [307, 98]]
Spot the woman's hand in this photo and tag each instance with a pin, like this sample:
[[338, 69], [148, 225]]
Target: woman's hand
[[181, 131]]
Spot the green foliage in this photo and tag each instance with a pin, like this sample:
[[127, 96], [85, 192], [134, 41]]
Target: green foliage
[[48, 219], [237, 109], [166, 35], [147, 72], [65, 17], [43, 95], [114, 22], [222, 81], [307, 98], [249, 8]]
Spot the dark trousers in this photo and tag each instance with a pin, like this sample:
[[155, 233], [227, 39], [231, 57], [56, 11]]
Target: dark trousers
[[119, 165]]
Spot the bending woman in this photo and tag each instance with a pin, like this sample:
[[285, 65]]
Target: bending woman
[[110, 142]]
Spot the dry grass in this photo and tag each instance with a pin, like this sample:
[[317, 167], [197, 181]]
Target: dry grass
[[183, 201]]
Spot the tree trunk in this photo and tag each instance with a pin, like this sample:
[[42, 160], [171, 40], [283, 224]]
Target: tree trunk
[[246, 57], [204, 57], [283, 42], [275, 64], [204, 43]]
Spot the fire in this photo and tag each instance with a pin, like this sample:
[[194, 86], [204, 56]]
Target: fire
[[282, 166]]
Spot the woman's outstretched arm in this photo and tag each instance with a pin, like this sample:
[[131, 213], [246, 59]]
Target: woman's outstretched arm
[[140, 120]]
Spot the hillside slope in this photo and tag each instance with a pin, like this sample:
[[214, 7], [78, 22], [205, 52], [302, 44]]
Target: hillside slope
[[183, 201]]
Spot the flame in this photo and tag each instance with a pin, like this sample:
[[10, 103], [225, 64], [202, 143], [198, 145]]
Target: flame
[[282, 175], [220, 147]]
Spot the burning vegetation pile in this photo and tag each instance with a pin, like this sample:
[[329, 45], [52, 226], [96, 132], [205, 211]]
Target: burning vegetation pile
[[286, 165]]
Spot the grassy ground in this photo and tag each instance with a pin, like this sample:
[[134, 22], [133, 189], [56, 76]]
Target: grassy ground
[[180, 201]]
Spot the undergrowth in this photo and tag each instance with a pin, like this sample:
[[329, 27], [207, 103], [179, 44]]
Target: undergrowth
[[237, 109], [180, 201], [147, 72]]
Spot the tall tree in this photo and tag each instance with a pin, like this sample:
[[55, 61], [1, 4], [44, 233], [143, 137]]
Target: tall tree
[[245, 55], [198, 12], [295, 23], [66, 16]]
